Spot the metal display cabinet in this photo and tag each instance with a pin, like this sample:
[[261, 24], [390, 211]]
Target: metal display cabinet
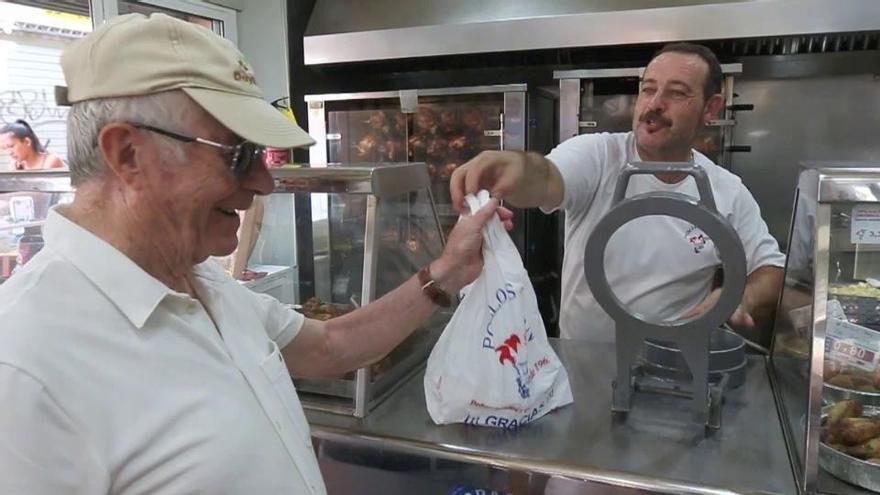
[[826, 343], [443, 128], [602, 100], [25, 199], [374, 226]]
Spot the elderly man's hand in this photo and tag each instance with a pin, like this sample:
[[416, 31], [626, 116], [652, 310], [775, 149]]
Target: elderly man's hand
[[462, 260], [741, 318]]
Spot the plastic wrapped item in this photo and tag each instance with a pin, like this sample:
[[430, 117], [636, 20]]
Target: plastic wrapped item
[[493, 365]]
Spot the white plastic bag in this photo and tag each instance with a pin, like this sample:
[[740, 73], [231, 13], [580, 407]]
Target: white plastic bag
[[493, 366]]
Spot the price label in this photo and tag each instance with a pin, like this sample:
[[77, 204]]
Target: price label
[[865, 225], [835, 310], [850, 344]]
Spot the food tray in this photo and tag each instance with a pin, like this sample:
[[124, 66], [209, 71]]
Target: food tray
[[833, 393], [849, 468], [736, 375], [861, 310], [727, 356]]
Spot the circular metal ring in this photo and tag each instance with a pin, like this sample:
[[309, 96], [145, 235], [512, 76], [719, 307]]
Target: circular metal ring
[[723, 235]]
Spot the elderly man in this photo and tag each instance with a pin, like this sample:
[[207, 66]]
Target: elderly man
[[129, 364], [659, 266]]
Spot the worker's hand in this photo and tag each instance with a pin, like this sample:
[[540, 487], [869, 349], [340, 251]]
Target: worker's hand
[[506, 217], [741, 318], [499, 172], [462, 258]]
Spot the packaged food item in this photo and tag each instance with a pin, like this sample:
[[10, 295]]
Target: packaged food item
[[493, 364]]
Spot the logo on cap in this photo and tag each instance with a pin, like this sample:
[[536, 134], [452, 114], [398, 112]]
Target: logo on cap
[[244, 73]]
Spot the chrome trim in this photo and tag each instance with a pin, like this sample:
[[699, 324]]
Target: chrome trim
[[569, 108], [513, 123], [371, 95], [377, 179], [727, 20], [781, 414], [727, 121], [436, 217], [624, 72], [368, 295], [820, 301], [850, 183], [36, 180], [546, 468], [318, 132]]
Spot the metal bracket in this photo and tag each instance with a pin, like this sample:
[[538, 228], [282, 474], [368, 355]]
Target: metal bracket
[[691, 335], [409, 100]]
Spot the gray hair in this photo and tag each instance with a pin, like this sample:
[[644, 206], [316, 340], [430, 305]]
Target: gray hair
[[169, 110]]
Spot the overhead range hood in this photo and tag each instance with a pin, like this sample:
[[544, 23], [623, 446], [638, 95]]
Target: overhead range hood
[[356, 30]]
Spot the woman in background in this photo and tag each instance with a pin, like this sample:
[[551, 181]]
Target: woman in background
[[22, 144]]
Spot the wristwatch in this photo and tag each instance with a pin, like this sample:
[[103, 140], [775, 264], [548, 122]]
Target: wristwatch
[[430, 289]]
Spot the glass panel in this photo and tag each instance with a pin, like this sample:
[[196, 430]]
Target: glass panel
[[131, 7], [447, 132], [852, 346], [793, 326], [684, 244], [31, 42], [607, 105], [348, 220], [444, 132], [22, 215], [407, 237], [35, 132], [408, 240], [367, 136], [852, 341]]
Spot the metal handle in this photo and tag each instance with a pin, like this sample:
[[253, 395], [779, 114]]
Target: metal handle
[[739, 148], [741, 107], [666, 168]]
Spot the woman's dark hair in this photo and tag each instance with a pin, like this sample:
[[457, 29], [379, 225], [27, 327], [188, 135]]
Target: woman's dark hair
[[21, 129]]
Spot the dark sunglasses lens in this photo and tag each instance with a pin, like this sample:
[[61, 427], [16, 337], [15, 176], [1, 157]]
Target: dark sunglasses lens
[[249, 155]]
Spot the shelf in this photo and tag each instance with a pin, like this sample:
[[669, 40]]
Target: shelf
[[34, 223]]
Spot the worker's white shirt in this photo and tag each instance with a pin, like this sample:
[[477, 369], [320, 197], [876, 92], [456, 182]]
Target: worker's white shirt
[[110, 382], [658, 266]]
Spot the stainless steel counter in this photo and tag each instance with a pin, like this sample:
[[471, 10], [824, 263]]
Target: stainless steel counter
[[657, 448]]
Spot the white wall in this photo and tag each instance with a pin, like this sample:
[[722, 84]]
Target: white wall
[[29, 72], [262, 37]]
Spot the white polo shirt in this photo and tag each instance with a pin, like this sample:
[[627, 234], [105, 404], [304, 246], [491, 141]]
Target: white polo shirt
[[110, 382], [657, 265]]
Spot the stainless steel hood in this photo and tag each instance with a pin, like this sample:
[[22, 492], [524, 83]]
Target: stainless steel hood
[[359, 30]]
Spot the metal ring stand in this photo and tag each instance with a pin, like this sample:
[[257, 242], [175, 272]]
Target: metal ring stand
[[690, 335]]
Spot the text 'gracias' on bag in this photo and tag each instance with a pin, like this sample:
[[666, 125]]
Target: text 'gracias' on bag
[[493, 365]]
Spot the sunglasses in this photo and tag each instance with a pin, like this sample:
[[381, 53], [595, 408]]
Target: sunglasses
[[243, 156]]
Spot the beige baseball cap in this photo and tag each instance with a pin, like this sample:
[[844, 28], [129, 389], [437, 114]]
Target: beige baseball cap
[[137, 55]]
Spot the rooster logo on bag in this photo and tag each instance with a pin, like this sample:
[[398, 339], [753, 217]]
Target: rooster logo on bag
[[507, 354]]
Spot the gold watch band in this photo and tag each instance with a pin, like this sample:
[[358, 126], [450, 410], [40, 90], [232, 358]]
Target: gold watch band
[[430, 289]]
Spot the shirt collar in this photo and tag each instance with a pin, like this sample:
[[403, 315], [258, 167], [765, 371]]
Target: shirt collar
[[135, 292]]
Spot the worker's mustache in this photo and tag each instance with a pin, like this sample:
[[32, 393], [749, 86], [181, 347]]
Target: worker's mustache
[[656, 117]]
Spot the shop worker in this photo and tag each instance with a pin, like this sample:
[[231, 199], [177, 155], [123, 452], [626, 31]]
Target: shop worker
[[128, 363], [657, 265]]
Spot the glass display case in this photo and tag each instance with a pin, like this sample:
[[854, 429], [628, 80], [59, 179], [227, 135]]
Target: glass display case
[[374, 226], [25, 199], [603, 100], [826, 348], [443, 128]]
